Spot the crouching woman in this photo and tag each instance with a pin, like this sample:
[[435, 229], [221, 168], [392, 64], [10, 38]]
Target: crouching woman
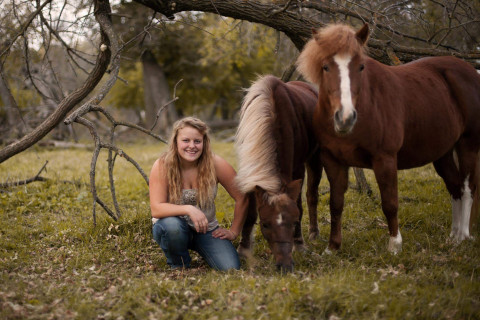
[[183, 187]]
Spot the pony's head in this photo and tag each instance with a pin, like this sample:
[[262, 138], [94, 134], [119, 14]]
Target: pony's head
[[278, 216], [334, 59]]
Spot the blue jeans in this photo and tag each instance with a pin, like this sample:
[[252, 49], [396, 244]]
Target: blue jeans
[[175, 237]]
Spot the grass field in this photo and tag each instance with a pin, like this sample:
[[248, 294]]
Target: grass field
[[55, 265]]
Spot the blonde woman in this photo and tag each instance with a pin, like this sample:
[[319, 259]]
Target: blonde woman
[[183, 186]]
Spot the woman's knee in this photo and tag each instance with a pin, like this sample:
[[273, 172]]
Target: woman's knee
[[219, 254], [171, 227], [227, 264]]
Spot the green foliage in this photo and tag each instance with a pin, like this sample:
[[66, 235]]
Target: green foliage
[[55, 264], [215, 56], [128, 95]]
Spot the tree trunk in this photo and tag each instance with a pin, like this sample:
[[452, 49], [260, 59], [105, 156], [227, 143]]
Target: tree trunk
[[51, 96], [362, 184], [16, 127], [157, 94]]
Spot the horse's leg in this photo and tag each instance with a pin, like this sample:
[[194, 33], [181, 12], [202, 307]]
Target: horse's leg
[[314, 175], [385, 169], [245, 249], [298, 243], [448, 169], [467, 155], [337, 175], [297, 236]]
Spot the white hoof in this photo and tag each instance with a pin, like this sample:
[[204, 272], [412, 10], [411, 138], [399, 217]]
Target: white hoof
[[395, 244], [313, 235], [459, 236], [327, 252]]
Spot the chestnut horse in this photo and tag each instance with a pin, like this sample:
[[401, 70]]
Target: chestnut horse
[[387, 118], [274, 142]]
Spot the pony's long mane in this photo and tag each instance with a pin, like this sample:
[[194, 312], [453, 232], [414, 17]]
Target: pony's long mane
[[327, 42], [254, 142]]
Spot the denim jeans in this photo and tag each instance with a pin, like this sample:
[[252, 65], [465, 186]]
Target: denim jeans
[[176, 237]]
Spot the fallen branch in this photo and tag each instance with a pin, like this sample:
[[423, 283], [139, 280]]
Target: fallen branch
[[37, 177]]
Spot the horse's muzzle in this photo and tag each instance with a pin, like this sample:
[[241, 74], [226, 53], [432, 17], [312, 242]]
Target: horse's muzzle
[[283, 256], [344, 125]]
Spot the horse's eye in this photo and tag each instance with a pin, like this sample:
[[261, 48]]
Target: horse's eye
[[362, 66], [326, 68], [265, 225]]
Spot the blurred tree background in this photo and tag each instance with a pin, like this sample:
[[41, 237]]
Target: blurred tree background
[[215, 57], [121, 67], [187, 57]]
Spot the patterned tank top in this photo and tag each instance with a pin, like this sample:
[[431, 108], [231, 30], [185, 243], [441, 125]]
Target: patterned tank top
[[189, 196]]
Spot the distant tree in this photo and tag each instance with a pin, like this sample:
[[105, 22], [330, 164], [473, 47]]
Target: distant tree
[[401, 31]]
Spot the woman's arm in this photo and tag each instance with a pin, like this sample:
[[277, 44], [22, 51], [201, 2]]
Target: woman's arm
[[226, 175], [158, 189]]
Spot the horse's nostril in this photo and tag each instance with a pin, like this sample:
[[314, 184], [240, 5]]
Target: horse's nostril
[[354, 115], [338, 116]]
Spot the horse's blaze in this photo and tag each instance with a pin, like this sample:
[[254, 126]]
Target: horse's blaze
[[346, 119], [279, 219]]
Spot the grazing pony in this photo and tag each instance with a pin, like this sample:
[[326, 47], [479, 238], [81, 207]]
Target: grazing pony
[[274, 141], [387, 118]]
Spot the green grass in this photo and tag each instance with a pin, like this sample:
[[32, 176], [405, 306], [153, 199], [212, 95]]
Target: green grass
[[55, 264]]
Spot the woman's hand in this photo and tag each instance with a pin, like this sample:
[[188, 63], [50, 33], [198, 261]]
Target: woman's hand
[[224, 234], [198, 218]]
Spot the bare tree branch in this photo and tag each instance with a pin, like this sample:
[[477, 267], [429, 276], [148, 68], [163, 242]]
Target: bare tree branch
[[23, 28], [298, 26], [102, 12], [37, 177]]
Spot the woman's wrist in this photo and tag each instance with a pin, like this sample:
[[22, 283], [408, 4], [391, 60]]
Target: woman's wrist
[[233, 233]]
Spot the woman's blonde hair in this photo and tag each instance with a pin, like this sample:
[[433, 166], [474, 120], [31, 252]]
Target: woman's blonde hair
[[206, 178]]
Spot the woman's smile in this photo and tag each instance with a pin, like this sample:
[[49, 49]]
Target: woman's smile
[[190, 144]]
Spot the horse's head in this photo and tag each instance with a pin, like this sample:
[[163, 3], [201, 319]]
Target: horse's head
[[278, 216], [334, 59]]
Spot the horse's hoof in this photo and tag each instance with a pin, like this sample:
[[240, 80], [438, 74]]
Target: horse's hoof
[[300, 247], [459, 236], [327, 252], [245, 253], [395, 244], [313, 235], [285, 268]]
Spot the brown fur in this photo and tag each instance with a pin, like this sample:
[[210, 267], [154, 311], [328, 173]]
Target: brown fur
[[408, 116], [274, 142], [326, 42]]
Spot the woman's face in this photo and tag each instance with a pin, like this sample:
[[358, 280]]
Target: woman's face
[[189, 144]]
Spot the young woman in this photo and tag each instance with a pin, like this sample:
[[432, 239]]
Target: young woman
[[183, 186]]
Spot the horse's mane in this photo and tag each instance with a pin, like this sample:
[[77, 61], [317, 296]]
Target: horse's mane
[[327, 42], [254, 141]]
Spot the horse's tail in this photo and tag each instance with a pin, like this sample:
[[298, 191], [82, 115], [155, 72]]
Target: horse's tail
[[254, 141], [475, 213], [476, 200]]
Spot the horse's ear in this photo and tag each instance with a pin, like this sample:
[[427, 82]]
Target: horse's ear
[[259, 192], [315, 34], [362, 34], [294, 188], [259, 189]]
